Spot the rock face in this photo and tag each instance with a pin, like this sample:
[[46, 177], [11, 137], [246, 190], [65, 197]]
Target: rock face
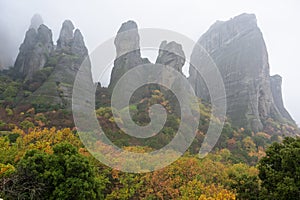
[[128, 52], [68, 57], [34, 51], [127, 44], [66, 35], [171, 54], [276, 82], [239, 51]]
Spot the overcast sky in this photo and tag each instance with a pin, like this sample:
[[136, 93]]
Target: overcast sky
[[100, 19]]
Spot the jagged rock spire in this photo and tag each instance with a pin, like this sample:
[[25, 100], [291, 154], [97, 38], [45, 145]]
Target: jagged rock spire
[[70, 41], [127, 43], [127, 39], [69, 55], [34, 51], [66, 35], [78, 46], [276, 83], [171, 54]]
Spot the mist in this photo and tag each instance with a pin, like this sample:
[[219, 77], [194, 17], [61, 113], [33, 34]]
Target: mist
[[100, 20]]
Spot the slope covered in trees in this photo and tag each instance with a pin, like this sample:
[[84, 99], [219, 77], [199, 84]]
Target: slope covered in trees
[[42, 156]]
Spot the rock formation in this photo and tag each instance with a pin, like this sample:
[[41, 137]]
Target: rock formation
[[276, 82], [171, 54], [68, 57], [34, 51], [127, 44], [239, 51]]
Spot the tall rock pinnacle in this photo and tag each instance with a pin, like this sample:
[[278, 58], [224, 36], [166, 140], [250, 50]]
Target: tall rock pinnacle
[[69, 55], [34, 51], [171, 54], [276, 82], [239, 51], [128, 39], [127, 44], [70, 41], [66, 36]]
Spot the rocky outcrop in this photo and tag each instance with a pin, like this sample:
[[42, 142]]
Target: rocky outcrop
[[127, 44], [128, 52], [66, 35], [68, 57], [239, 51], [77, 46], [34, 51], [70, 41], [172, 55], [276, 82]]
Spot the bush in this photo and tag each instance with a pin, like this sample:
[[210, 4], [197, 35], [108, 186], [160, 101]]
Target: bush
[[26, 125]]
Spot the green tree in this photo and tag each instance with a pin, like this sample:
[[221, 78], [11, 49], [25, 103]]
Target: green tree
[[8, 151], [244, 180], [280, 170], [65, 174]]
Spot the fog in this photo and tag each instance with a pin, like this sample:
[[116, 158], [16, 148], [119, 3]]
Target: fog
[[99, 21]]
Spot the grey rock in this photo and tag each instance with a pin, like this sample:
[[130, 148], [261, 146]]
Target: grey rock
[[71, 54], [66, 35], [172, 55], [127, 50], [34, 51], [276, 83], [239, 51], [128, 39], [78, 47]]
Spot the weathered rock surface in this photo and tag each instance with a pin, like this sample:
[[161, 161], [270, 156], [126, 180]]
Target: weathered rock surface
[[34, 51], [127, 44], [239, 51], [66, 35], [128, 52], [276, 83], [68, 57], [172, 55]]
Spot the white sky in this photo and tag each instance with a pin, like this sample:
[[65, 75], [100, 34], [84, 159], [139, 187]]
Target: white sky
[[99, 20]]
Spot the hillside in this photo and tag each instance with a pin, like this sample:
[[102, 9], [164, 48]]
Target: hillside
[[37, 129]]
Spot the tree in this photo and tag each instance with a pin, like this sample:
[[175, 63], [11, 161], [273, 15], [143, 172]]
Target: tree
[[65, 174], [244, 180], [280, 170], [8, 151]]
